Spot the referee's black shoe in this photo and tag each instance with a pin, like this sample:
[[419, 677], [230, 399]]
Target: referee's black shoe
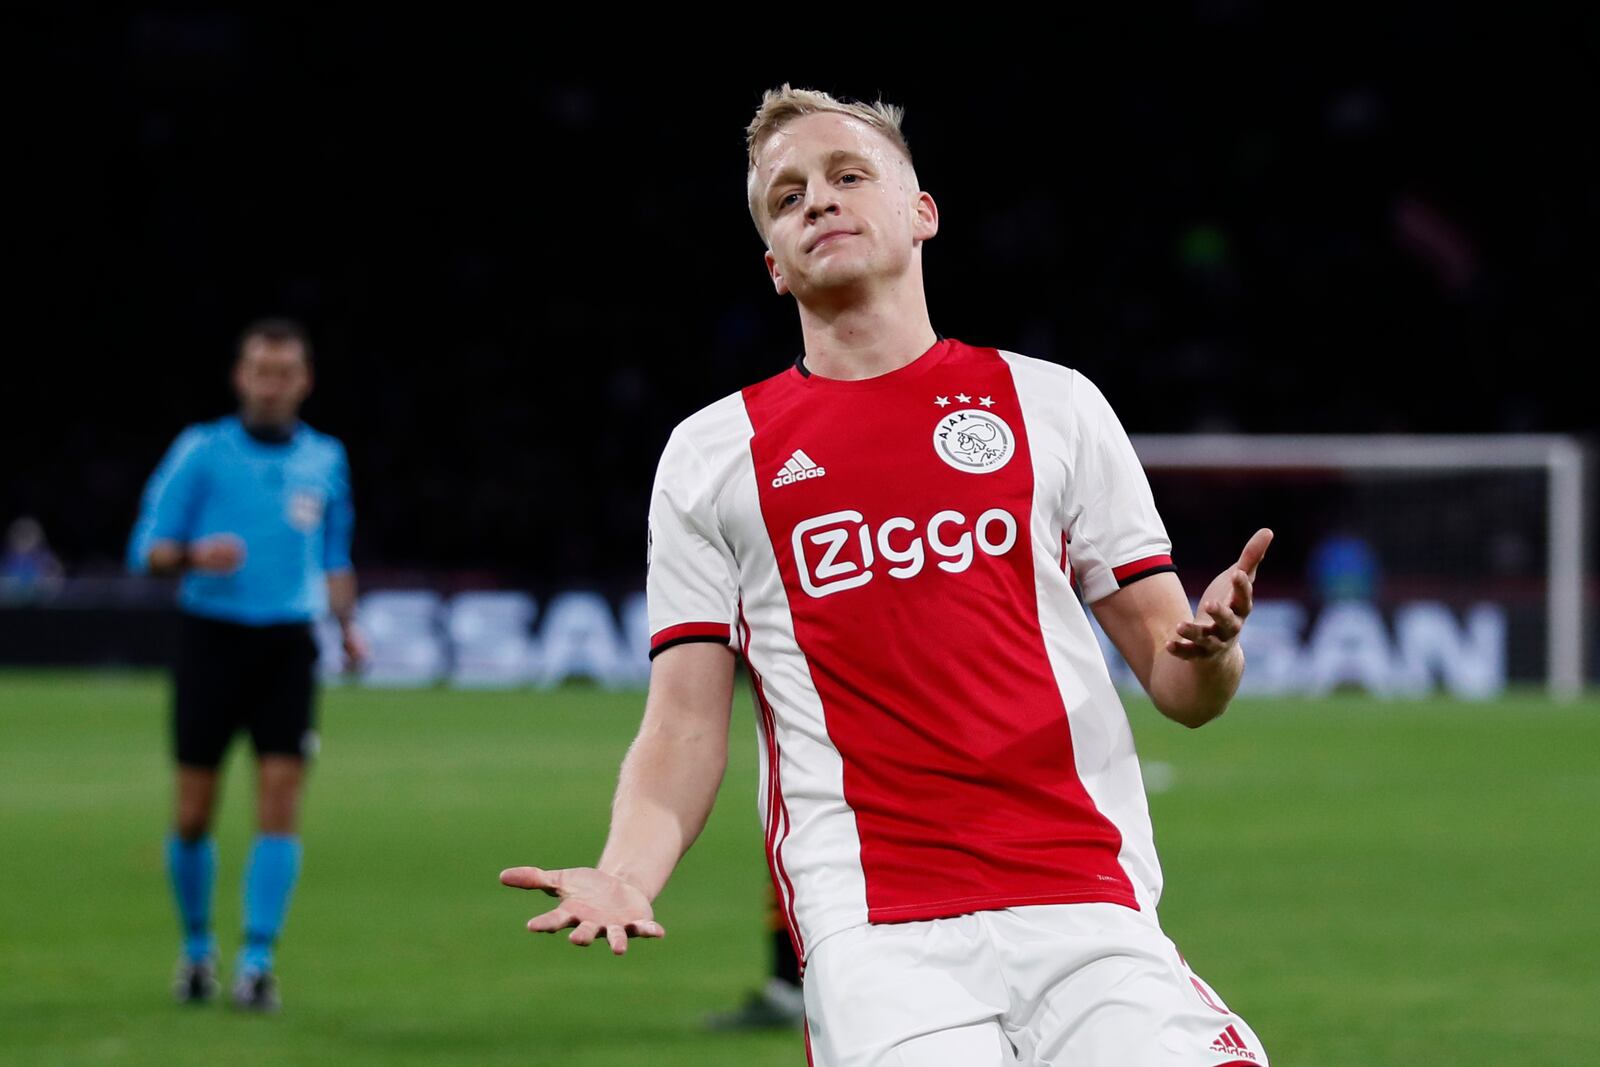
[[195, 981], [255, 990]]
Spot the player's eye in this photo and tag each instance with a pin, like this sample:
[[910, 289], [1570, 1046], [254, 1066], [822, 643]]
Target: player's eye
[[850, 178], [787, 199]]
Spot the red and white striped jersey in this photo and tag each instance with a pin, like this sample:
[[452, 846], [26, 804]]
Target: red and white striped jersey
[[894, 558]]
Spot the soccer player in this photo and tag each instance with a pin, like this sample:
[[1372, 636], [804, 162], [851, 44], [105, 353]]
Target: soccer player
[[889, 532], [254, 512]]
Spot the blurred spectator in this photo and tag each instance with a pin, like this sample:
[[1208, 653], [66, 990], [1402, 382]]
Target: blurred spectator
[[1344, 566], [29, 571]]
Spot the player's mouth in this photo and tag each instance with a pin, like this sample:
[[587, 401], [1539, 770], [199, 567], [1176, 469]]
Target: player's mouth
[[828, 238]]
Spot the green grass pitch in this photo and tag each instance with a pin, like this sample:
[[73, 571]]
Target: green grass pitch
[[1368, 883]]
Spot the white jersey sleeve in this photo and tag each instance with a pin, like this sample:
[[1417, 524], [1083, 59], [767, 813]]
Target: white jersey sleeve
[[1114, 534], [692, 587]]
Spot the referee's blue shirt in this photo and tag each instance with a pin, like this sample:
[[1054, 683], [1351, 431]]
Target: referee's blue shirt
[[288, 502]]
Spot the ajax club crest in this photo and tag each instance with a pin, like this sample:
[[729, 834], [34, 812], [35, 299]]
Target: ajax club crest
[[973, 441]]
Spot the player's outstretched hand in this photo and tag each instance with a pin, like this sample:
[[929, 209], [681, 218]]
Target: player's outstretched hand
[[1224, 606], [595, 903]]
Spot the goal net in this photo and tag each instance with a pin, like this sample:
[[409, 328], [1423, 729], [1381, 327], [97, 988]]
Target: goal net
[[1401, 565]]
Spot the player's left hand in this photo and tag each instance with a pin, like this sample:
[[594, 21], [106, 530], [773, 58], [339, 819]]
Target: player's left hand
[[354, 641], [1223, 607]]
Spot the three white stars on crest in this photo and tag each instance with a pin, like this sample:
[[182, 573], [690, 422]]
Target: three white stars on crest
[[963, 398]]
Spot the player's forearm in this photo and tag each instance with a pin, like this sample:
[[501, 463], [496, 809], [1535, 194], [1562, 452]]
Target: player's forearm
[[342, 596], [665, 793], [1195, 691]]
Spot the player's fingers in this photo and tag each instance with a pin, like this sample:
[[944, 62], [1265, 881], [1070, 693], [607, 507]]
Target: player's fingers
[[531, 878], [1184, 649], [1254, 550], [1206, 639], [646, 928], [551, 921], [1216, 611], [1244, 597], [1225, 624], [617, 938], [584, 933]]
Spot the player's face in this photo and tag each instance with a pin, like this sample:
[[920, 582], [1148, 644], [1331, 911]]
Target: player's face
[[272, 379], [840, 205]]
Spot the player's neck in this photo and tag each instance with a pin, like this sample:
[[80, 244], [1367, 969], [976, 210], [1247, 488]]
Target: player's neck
[[865, 339], [269, 433]]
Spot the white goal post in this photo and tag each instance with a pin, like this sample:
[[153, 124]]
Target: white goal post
[[1560, 458]]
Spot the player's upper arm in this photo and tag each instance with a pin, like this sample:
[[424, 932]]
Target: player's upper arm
[[169, 506], [692, 585], [1115, 536], [339, 526], [1141, 618]]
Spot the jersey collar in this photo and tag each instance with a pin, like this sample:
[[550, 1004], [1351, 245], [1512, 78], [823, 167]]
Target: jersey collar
[[807, 373]]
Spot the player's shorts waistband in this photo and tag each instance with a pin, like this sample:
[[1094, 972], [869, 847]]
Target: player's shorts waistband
[[202, 619]]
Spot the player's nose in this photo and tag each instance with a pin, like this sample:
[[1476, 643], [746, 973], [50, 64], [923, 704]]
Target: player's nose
[[821, 199]]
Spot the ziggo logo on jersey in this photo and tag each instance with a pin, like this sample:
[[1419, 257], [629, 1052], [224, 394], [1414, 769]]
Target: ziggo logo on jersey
[[825, 548]]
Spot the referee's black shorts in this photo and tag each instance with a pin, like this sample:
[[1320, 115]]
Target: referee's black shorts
[[231, 677]]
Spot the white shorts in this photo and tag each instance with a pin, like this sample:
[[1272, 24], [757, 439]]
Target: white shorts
[[1059, 985]]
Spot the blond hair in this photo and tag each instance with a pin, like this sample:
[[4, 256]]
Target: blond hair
[[783, 105]]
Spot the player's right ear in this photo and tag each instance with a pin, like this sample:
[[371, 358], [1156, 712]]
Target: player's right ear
[[776, 274]]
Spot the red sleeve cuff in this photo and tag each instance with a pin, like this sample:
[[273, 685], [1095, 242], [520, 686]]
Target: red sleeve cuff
[[1129, 573], [686, 632]]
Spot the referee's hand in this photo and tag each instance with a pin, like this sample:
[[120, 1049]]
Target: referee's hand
[[221, 553], [354, 642], [596, 903]]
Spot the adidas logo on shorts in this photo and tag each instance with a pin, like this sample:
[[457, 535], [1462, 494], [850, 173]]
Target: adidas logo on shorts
[[1230, 1042], [799, 468]]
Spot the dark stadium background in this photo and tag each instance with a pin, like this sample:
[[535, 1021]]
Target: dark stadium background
[[524, 256]]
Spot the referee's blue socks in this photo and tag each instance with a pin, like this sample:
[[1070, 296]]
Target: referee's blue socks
[[192, 865], [268, 881]]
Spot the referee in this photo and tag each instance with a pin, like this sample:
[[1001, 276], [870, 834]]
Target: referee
[[254, 512]]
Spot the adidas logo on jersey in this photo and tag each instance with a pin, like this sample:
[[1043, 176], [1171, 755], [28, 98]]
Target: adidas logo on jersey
[[799, 468], [1230, 1042]]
